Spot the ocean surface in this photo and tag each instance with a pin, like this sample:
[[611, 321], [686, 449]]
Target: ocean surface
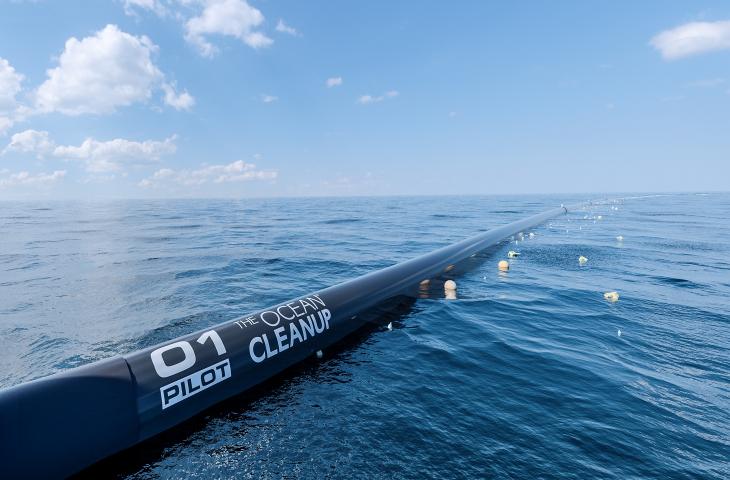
[[528, 374]]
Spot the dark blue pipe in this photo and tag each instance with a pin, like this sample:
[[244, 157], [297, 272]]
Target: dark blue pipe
[[56, 426]]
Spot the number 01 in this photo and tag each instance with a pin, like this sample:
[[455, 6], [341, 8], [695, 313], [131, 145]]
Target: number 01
[[164, 370]]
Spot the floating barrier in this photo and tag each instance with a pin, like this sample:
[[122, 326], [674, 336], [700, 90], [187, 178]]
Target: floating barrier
[[57, 426]]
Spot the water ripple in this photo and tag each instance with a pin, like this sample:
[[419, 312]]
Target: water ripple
[[525, 375]]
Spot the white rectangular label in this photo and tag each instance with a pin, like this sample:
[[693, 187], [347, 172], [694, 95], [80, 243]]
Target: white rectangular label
[[186, 387]]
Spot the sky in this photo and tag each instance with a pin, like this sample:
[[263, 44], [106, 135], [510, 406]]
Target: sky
[[249, 98]]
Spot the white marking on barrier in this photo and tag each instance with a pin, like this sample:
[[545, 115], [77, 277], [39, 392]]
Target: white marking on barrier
[[194, 383]]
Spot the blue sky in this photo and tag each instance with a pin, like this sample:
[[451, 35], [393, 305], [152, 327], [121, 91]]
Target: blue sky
[[210, 98]]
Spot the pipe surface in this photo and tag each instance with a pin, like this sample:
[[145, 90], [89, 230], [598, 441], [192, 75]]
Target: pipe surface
[[58, 425]]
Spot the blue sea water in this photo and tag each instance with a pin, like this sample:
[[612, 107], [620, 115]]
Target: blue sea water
[[524, 375]]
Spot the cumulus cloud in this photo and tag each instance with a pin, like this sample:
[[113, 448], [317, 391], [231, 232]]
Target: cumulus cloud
[[333, 82], [113, 155], [202, 19], [26, 178], [692, 39], [178, 101], [368, 99], [98, 74], [238, 171], [235, 18], [284, 28], [10, 86], [31, 141], [106, 156]]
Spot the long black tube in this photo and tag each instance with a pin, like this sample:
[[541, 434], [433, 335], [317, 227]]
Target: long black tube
[[61, 424]]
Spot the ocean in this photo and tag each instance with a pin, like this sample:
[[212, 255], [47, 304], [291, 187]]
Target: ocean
[[526, 374]]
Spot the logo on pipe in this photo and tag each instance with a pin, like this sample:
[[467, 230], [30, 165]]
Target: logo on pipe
[[194, 383]]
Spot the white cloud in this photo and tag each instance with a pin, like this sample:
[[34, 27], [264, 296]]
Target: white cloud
[[284, 28], [178, 101], [234, 18], [31, 141], [10, 85], [98, 156], [238, 171], [98, 74], [692, 39], [113, 155], [268, 98], [333, 82], [26, 178], [367, 99], [202, 19]]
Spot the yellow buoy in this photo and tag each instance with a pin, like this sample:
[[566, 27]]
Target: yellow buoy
[[582, 260], [503, 265], [611, 296]]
